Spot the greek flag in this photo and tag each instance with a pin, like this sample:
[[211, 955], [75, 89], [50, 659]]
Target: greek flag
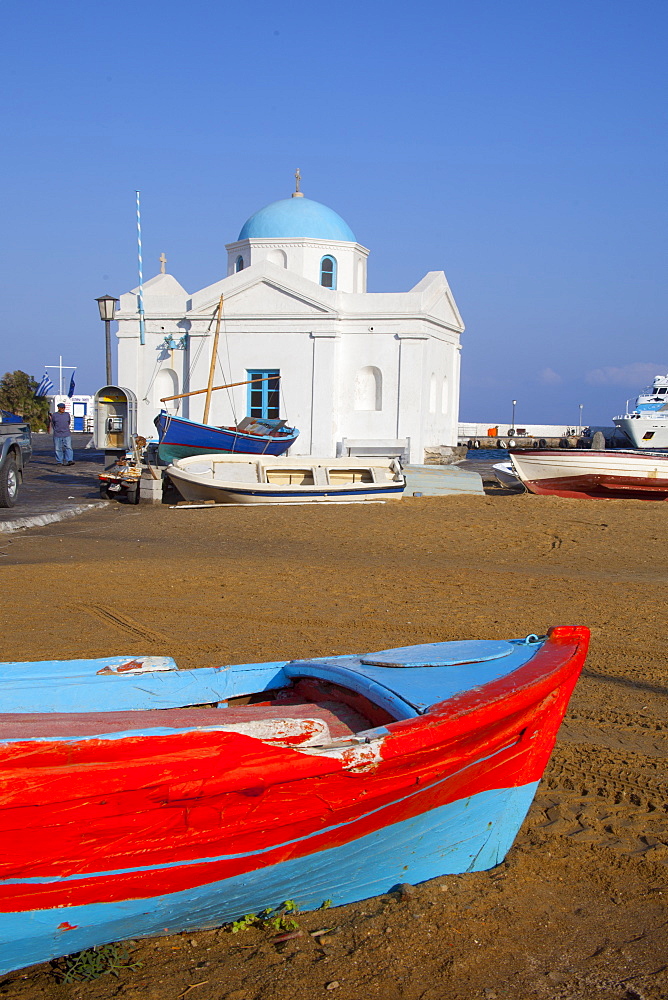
[[44, 387], [70, 391]]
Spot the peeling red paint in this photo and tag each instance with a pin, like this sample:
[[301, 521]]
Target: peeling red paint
[[178, 799]]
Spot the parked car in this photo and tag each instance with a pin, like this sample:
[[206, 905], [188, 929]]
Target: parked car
[[15, 452]]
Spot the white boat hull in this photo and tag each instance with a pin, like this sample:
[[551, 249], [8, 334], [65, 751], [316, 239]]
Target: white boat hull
[[645, 430], [225, 479], [584, 473], [506, 474]]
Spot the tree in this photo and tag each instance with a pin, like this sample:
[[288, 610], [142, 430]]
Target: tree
[[17, 394]]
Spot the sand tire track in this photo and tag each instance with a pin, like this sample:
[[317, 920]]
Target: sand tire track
[[110, 616]]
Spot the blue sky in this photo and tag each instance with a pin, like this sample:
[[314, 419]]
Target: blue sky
[[519, 146]]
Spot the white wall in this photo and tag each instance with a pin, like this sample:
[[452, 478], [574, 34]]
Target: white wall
[[319, 339], [303, 257]]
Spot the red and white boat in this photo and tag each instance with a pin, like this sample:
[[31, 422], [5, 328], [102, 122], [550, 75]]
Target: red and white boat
[[584, 473]]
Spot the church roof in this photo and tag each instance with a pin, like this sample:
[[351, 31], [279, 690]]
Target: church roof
[[297, 218]]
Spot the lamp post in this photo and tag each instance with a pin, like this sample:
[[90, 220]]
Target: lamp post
[[513, 421], [580, 424], [107, 306]]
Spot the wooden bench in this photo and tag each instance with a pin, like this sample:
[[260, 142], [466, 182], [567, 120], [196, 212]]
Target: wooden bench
[[375, 448]]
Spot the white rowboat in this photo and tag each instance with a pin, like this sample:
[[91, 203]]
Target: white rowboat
[[252, 479], [640, 475]]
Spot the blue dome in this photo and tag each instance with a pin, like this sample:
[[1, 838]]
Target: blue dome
[[297, 218]]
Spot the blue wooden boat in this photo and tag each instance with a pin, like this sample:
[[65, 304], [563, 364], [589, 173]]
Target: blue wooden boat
[[138, 799], [180, 438]]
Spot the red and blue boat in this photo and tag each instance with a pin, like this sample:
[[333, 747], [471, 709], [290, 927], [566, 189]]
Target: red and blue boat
[[138, 799], [181, 438]]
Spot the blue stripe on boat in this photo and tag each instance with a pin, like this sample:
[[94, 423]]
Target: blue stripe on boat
[[301, 494], [76, 685], [471, 834]]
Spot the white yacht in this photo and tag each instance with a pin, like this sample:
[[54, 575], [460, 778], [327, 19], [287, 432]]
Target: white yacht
[[646, 426]]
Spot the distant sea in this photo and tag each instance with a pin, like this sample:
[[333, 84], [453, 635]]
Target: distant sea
[[487, 454]]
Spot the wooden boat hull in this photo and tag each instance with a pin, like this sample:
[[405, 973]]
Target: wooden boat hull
[[162, 829], [584, 473], [231, 493], [180, 438], [278, 480]]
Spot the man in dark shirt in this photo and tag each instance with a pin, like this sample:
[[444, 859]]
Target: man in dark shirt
[[60, 427]]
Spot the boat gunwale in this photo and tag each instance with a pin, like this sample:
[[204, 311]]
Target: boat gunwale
[[562, 653], [215, 429]]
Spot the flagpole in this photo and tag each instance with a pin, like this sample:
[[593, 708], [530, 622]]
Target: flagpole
[[60, 366], [142, 329]]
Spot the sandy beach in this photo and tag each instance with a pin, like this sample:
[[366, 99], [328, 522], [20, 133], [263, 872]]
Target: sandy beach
[[578, 909]]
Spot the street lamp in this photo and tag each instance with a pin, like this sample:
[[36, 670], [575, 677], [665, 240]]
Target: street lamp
[[580, 425], [107, 306], [513, 422]]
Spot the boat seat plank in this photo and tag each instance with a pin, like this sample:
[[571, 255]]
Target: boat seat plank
[[341, 720], [239, 472]]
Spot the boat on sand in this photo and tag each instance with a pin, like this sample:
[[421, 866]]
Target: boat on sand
[[256, 434], [180, 438], [639, 475], [139, 799], [247, 479]]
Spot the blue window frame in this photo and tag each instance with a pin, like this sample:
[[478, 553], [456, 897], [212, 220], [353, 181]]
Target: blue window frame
[[239, 266], [328, 272], [264, 397]]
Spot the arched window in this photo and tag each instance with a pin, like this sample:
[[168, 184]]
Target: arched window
[[278, 257], [369, 389], [328, 272], [166, 384], [239, 266], [444, 395], [432, 394]]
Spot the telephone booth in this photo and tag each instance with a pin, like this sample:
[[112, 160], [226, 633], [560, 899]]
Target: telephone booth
[[115, 421]]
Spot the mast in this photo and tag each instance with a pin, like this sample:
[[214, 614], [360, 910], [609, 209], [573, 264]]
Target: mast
[[142, 325], [212, 366]]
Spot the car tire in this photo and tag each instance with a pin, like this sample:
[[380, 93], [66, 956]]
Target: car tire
[[9, 483]]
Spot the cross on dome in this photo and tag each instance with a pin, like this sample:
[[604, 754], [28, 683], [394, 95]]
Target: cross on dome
[[298, 179]]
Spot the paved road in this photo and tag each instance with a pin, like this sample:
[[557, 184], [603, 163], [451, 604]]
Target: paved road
[[51, 492]]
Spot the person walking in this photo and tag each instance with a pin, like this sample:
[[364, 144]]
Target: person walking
[[60, 428]]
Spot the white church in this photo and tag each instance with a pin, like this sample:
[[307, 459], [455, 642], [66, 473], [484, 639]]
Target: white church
[[360, 372]]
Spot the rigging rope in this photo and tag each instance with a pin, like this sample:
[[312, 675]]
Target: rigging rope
[[158, 362], [230, 396]]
